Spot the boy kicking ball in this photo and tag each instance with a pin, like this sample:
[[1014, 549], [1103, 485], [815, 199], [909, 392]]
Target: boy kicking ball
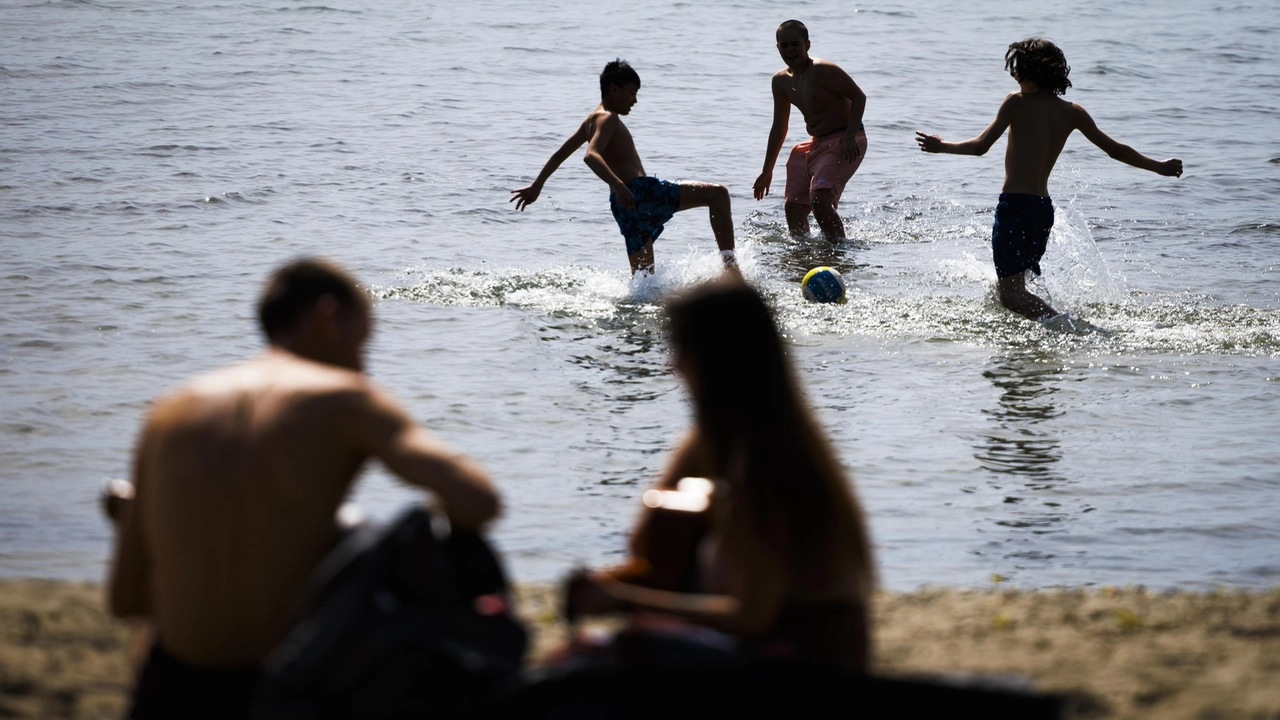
[[641, 204]]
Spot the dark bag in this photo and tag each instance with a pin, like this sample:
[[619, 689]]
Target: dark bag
[[398, 621]]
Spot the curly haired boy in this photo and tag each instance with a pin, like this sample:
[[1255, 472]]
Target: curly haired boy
[[1039, 122]]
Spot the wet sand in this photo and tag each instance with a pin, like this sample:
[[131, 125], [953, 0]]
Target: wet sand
[[1117, 653]]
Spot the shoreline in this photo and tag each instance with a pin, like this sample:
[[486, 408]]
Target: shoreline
[[1116, 653]]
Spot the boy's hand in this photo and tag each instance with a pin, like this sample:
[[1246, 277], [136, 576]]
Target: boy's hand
[[625, 198], [849, 149], [525, 196], [929, 143], [762, 184], [1170, 168]]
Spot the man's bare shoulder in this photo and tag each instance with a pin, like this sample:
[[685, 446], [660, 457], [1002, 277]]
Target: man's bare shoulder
[[275, 374], [823, 65]]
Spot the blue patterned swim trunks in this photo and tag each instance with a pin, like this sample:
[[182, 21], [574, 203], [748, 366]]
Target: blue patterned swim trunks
[[656, 201]]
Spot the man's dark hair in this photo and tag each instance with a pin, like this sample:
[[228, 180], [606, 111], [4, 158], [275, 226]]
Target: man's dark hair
[[293, 289], [793, 25], [1040, 61], [617, 73]]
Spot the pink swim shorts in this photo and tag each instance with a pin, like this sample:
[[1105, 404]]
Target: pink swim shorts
[[816, 164]]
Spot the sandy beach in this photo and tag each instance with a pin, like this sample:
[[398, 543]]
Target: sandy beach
[[1117, 653]]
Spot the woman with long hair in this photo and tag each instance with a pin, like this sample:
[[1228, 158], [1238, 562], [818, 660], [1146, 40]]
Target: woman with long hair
[[785, 562]]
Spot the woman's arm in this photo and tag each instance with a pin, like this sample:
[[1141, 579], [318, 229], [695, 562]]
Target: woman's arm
[[749, 575], [690, 459]]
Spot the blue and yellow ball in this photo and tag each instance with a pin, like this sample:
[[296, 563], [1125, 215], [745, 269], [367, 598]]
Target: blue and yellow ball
[[824, 285]]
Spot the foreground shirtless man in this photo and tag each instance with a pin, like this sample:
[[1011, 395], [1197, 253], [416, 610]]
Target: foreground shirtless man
[[832, 105], [238, 475]]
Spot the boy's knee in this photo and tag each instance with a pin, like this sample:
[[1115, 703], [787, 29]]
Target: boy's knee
[[823, 199]]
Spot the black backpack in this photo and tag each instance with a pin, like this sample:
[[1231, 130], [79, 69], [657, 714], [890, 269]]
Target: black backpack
[[398, 621]]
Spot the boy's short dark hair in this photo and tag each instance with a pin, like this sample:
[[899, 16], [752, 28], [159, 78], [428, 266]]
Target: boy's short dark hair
[[793, 25], [618, 73], [293, 289], [1040, 61]]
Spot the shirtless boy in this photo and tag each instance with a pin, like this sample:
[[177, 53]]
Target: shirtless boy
[[832, 105], [641, 204], [238, 475], [1039, 122]]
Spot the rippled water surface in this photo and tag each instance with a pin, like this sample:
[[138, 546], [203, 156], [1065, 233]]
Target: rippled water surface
[[158, 159]]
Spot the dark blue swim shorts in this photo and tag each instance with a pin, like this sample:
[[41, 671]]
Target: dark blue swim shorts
[[656, 201], [1020, 232]]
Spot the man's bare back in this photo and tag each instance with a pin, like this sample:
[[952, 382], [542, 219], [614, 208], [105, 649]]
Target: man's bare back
[[238, 476]]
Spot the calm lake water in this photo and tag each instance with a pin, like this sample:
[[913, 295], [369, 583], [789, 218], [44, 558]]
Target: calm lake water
[[157, 160]]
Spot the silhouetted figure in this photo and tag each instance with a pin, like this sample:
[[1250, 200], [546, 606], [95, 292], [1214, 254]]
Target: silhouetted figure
[[1039, 122], [238, 475], [642, 204], [784, 566]]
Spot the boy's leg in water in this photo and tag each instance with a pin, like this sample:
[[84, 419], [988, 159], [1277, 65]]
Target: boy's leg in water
[[824, 211], [715, 197], [797, 218], [1015, 296], [642, 260]]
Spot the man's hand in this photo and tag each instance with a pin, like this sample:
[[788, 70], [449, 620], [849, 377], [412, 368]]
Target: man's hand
[[929, 143], [762, 184], [1170, 168], [525, 196], [849, 149], [625, 198]]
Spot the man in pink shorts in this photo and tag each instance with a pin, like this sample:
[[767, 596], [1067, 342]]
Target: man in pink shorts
[[832, 105]]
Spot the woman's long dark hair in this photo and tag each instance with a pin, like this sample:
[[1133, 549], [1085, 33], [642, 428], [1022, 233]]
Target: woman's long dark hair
[[763, 439]]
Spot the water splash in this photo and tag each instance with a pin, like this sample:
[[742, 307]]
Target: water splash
[[938, 286], [1075, 272]]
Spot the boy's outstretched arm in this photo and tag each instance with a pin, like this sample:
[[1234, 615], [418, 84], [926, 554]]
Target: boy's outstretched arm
[[595, 160], [974, 146], [1125, 154], [526, 196], [777, 133]]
